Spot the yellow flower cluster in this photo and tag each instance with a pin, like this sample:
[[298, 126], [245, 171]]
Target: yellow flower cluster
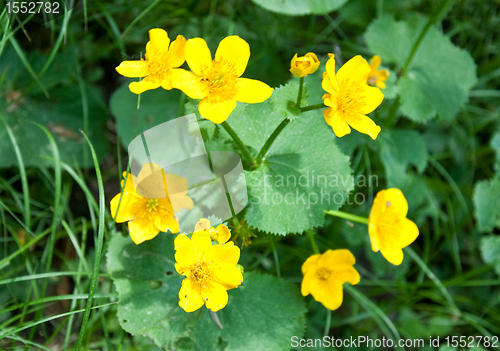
[[216, 82]]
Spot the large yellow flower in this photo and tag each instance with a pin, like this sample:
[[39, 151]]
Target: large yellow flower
[[210, 271], [376, 76], [390, 231], [161, 57], [304, 65], [349, 98], [324, 276], [146, 212], [218, 82]]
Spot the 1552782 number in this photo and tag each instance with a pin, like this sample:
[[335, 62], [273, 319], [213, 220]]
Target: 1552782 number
[[32, 7], [472, 341]]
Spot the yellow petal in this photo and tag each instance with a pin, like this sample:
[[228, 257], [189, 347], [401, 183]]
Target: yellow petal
[[408, 232], [189, 83], [159, 39], [393, 256], [128, 207], [198, 57], [332, 259], [202, 243], [363, 124], [397, 202], [298, 72], [312, 261], [176, 53], [330, 66], [143, 85], [236, 51], [356, 69], [373, 233], [380, 84], [190, 298], [308, 280], [314, 67], [185, 254], [328, 293], [224, 254], [375, 62], [336, 120], [133, 69], [216, 112], [228, 275], [165, 219], [166, 83], [252, 91], [348, 274], [373, 98], [177, 188], [294, 59], [329, 84], [142, 229], [223, 234], [202, 224], [215, 296]]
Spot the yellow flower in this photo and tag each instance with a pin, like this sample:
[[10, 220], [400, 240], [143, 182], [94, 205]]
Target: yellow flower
[[304, 65], [376, 77], [325, 274], [221, 234], [349, 98], [157, 68], [146, 212], [210, 271], [390, 231], [218, 82]]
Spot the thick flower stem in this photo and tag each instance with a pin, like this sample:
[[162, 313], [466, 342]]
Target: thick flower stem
[[299, 96], [237, 140], [348, 216], [310, 234], [312, 107], [270, 142]]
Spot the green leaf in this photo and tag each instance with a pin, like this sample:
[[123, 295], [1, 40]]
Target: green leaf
[[440, 74], [303, 174], [400, 148], [301, 7], [148, 288], [156, 107], [284, 99], [490, 251], [495, 144], [487, 202], [63, 117]]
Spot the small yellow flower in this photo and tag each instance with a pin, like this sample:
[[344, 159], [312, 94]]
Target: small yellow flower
[[349, 98], [390, 231], [161, 57], [304, 65], [325, 274], [376, 77], [218, 82], [210, 271], [146, 212], [221, 234]]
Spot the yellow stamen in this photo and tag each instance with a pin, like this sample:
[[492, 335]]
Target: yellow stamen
[[351, 97], [152, 204], [201, 272], [323, 273], [221, 81]]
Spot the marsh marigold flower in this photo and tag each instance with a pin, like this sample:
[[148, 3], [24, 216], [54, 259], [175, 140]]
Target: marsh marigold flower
[[376, 76], [217, 83], [210, 271], [145, 211], [390, 231], [349, 98], [161, 57], [324, 276], [304, 65], [221, 234]]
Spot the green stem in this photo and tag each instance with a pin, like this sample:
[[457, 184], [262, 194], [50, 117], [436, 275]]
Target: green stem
[[275, 254], [328, 322], [238, 141], [299, 96], [431, 21], [312, 107], [348, 216], [310, 234], [270, 142]]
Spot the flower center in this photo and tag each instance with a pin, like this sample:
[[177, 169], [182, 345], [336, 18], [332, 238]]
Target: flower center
[[372, 80], [303, 64], [323, 273], [152, 204], [351, 97], [201, 272], [157, 65], [221, 80]]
